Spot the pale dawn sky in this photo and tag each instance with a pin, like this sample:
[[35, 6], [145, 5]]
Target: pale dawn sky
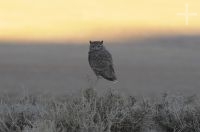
[[69, 20]]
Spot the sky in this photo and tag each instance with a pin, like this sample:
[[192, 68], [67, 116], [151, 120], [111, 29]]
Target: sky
[[79, 20]]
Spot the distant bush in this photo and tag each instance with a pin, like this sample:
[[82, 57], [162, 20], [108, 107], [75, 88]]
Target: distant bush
[[178, 114]]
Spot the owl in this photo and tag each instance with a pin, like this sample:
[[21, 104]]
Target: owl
[[100, 61]]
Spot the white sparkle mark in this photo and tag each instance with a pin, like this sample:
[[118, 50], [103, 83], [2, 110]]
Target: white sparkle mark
[[186, 14]]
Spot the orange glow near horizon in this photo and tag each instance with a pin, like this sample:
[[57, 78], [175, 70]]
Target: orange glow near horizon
[[64, 20]]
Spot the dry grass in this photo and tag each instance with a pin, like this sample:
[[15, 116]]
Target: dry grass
[[111, 112]]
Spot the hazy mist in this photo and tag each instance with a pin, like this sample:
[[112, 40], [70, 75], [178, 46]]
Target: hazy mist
[[143, 66]]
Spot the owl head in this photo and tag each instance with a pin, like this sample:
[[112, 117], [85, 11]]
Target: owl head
[[96, 45]]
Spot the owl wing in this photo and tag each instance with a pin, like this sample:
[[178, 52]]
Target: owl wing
[[102, 64]]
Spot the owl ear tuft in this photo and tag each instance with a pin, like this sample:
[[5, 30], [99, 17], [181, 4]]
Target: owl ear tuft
[[102, 42], [90, 41]]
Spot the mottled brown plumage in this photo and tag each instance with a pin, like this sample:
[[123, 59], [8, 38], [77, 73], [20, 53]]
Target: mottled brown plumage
[[100, 61]]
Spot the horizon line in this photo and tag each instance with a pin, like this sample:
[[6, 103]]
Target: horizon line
[[79, 42]]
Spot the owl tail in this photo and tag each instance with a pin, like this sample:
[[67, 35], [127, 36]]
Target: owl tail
[[113, 78]]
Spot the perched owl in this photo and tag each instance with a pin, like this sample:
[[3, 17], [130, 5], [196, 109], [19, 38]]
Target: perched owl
[[100, 61]]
